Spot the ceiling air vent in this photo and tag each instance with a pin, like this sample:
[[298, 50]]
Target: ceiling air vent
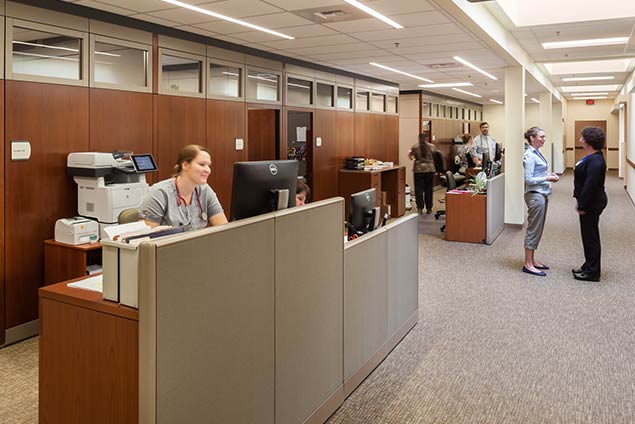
[[329, 14], [448, 65]]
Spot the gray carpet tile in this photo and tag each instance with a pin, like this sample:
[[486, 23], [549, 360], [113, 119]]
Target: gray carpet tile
[[492, 345]]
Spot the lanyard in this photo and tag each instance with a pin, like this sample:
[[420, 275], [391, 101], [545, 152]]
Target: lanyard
[[180, 199]]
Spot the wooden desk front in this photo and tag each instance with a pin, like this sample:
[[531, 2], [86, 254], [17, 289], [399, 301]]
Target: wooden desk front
[[465, 217], [89, 358], [64, 262]]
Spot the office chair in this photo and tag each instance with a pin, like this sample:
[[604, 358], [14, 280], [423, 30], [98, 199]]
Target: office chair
[[451, 185], [128, 215]]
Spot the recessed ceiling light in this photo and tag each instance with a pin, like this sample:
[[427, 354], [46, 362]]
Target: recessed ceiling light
[[588, 78], [447, 85], [373, 13], [498, 102], [588, 94], [476, 68], [591, 98], [227, 18], [466, 92], [589, 67], [535, 100], [399, 72], [585, 88], [585, 43]]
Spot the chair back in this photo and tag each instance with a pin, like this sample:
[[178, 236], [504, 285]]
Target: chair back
[[449, 177], [128, 215], [439, 162]]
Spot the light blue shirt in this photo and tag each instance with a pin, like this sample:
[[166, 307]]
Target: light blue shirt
[[536, 171]]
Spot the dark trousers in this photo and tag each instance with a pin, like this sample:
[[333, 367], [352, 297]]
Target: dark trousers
[[589, 228], [423, 186]]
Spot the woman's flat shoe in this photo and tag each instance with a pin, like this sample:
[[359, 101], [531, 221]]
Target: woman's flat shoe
[[528, 271], [541, 266]]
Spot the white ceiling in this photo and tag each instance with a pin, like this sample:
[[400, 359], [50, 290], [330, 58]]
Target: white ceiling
[[430, 36]]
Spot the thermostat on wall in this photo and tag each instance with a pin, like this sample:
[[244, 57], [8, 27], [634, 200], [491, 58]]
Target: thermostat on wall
[[20, 150]]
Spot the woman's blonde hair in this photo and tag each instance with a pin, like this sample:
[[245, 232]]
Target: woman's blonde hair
[[532, 132], [187, 154]]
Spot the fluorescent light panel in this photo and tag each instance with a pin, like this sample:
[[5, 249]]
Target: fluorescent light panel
[[589, 67], [585, 43], [588, 78], [399, 72], [589, 88], [535, 100], [447, 85], [373, 13], [476, 68], [591, 98], [466, 92], [227, 18], [588, 94], [498, 102]]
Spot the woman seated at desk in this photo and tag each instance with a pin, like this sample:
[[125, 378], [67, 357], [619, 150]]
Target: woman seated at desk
[[467, 154], [184, 200]]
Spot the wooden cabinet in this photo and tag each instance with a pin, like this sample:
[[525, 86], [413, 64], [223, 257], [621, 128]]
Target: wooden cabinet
[[390, 180], [465, 217], [66, 261]]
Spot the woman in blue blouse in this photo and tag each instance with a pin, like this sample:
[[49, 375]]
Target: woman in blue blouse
[[537, 190]]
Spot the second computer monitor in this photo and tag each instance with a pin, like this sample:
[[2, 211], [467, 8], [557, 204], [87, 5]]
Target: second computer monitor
[[259, 186], [363, 212]]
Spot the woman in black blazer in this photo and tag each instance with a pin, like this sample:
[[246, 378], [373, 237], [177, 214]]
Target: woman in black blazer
[[589, 175]]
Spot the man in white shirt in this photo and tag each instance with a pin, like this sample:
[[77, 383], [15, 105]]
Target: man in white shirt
[[484, 143]]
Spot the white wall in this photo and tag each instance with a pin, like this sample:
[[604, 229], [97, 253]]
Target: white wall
[[630, 148], [408, 132], [532, 116], [578, 110], [494, 115]]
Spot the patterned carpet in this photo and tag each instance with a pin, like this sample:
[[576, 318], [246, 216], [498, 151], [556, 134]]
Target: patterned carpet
[[493, 345]]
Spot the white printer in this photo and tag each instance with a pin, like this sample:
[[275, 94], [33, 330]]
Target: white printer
[[77, 230], [107, 184]]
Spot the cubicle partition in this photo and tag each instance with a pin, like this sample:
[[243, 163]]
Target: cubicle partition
[[272, 319]]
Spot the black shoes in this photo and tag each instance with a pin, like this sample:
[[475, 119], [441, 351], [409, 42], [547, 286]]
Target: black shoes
[[541, 267], [585, 276], [528, 271], [429, 211]]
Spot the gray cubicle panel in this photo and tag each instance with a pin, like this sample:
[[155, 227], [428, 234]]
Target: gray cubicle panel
[[206, 318], [309, 351], [380, 296], [495, 208]]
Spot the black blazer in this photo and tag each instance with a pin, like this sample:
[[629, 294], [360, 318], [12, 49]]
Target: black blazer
[[588, 183]]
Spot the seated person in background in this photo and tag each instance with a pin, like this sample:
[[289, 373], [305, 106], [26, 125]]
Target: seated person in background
[[184, 200], [302, 193], [467, 154]]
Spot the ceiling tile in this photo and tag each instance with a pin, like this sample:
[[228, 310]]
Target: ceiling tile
[[357, 25], [337, 48], [303, 4], [393, 7], [106, 7], [242, 8], [154, 20], [413, 32], [432, 17], [278, 20], [312, 41]]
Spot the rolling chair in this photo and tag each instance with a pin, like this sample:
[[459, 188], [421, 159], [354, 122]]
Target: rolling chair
[[128, 215], [451, 185]]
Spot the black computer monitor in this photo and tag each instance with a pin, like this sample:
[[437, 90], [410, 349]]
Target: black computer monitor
[[363, 213], [486, 163], [259, 186], [498, 155]]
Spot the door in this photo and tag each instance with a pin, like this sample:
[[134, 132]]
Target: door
[[263, 133], [300, 142], [579, 126]]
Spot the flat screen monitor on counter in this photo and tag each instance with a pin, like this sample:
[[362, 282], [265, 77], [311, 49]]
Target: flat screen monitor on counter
[[263, 186], [364, 215]]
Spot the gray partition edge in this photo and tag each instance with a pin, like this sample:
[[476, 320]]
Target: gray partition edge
[[495, 208]]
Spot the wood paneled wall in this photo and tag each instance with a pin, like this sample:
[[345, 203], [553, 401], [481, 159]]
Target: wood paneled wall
[[262, 132], [60, 119], [54, 118], [180, 121], [2, 147], [225, 123]]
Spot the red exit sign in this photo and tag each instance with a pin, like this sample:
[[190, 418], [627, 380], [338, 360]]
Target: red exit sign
[[590, 101]]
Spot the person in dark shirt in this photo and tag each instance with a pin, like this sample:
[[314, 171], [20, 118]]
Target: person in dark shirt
[[589, 175]]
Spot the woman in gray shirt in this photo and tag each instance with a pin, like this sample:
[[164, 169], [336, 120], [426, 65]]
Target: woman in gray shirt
[[537, 189], [185, 200]]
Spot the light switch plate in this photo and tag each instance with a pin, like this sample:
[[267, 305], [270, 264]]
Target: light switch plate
[[20, 150], [240, 144], [318, 141]]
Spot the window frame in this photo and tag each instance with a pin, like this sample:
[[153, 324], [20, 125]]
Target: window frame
[[184, 55], [250, 99], [83, 69], [243, 77], [124, 43], [350, 87], [333, 94], [302, 78]]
